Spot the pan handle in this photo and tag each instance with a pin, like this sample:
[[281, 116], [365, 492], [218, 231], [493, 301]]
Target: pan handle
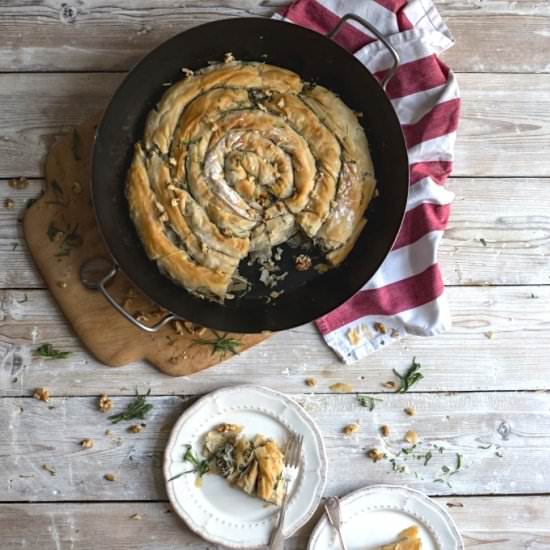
[[97, 273], [396, 61]]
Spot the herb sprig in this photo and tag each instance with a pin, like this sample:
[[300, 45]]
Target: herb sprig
[[220, 344], [410, 378], [137, 408], [201, 467], [47, 351], [368, 401]]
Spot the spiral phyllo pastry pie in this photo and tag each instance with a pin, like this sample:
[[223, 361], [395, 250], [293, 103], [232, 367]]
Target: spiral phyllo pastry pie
[[239, 157]]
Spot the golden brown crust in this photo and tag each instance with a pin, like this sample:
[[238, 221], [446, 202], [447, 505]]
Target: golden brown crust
[[239, 157]]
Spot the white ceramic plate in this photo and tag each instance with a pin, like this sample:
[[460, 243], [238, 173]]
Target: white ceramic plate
[[223, 514], [374, 516]]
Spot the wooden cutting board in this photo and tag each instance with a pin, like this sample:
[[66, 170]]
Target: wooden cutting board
[[62, 234]]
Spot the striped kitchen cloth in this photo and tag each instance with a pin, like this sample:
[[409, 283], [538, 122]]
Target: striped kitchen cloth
[[406, 295]]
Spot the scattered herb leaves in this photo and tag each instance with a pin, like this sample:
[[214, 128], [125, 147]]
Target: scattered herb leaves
[[137, 408], [367, 401], [410, 378], [220, 344], [47, 351], [427, 457], [49, 469], [201, 467], [483, 241]]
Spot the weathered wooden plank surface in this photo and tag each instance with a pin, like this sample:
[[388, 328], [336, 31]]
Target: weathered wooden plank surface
[[503, 438], [491, 523], [500, 340], [489, 240], [504, 131], [492, 36]]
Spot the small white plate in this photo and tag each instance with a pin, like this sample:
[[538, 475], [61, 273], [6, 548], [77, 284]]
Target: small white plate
[[223, 514], [375, 515]]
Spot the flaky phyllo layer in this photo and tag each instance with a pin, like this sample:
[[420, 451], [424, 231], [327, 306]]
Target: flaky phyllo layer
[[237, 158], [254, 465]]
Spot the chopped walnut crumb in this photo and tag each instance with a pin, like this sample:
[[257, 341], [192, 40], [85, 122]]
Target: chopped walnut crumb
[[411, 437], [104, 403], [42, 394], [385, 430], [178, 327], [375, 455], [9, 203], [390, 384], [228, 57], [109, 477], [18, 183], [187, 72], [135, 428], [351, 428], [136, 516], [302, 262], [310, 382], [339, 387], [87, 443], [77, 187], [411, 411], [380, 327], [61, 284]]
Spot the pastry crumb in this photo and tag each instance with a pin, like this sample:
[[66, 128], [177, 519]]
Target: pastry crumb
[[136, 517], [385, 430], [310, 382], [410, 411], [109, 477], [340, 387], [61, 284], [104, 403], [228, 57], [187, 72], [490, 335], [375, 455], [351, 428], [18, 183], [42, 394], [226, 428], [390, 384], [76, 187], [411, 437], [135, 428], [87, 443], [108, 432], [302, 262], [380, 327], [9, 203]]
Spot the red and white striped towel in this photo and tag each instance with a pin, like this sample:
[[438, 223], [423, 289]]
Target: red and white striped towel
[[406, 295]]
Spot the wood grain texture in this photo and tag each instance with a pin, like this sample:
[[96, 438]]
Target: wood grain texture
[[491, 523], [504, 130], [491, 36], [514, 425], [500, 340], [516, 249]]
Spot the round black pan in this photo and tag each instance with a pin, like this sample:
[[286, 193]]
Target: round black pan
[[315, 58]]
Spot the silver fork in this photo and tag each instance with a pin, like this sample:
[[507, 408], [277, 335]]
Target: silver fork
[[293, 457]]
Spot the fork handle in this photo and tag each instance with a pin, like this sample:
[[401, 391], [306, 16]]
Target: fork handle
[[277, 539]]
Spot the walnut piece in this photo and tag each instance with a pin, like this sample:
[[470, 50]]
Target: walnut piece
[[135, 428], [9, 203], [410, 411], [109, 477], [351, 428], [411, 437], [42, 394], [104, 403], [385, 430], [61, 284], [390, 384], [340, 387], [375, 455], [87, 443], [18, 183], [310, 382], [380, 327], [302, 262]]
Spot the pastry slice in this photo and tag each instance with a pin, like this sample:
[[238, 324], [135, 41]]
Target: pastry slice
[[253, 465], [409, 539]]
